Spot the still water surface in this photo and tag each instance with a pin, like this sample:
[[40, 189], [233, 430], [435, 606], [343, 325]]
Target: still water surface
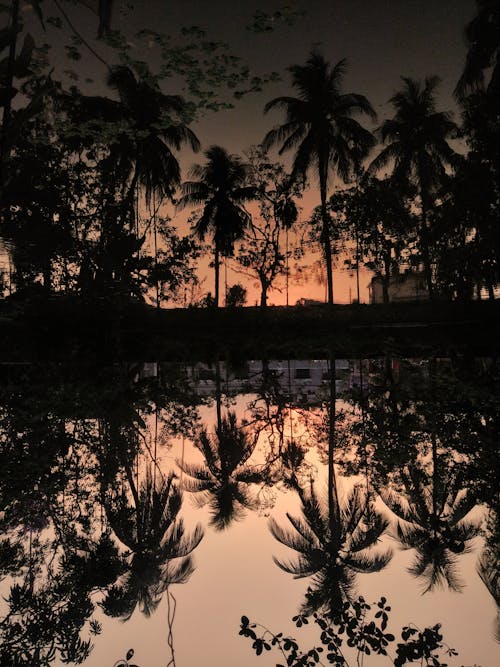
[[150, 506]]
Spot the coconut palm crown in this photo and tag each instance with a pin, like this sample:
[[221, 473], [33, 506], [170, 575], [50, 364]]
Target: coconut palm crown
[[483, 37], [221, 189], [160, 548], [434, 523], [416, 146], [223, 481], [320, 128], [156, 129], [332, 552]]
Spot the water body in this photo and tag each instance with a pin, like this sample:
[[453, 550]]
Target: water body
[[149, 506]]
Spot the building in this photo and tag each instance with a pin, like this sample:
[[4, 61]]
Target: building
[[409, 286]]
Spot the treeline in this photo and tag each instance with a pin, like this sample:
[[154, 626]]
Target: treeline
[[85, 179]]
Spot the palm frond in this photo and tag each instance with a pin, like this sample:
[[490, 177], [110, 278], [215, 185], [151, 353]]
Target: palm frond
[[292, 540], [367, 562], [300, 568]]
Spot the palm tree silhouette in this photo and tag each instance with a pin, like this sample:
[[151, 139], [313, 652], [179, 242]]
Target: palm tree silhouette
[[333, 544], [155, 129], [488, 565], [483, 37], [320, 126], [221, 189], [222, 482], [417, 147], [160, 548], [434, 523]]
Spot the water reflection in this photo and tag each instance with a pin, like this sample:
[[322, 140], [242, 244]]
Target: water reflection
[[333, 542], [100, 468]]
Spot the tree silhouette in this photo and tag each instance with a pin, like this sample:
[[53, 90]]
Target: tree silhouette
[[222, 482], [261, 254], [333, 544], [488, 564], [418, 150], [483, 37], [222, 191], [160, 548], [379, 221], [155, 130], [434, 524], [134, 140], [320, 126]]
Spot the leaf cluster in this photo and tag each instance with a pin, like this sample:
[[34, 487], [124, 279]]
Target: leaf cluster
[[356, 625]]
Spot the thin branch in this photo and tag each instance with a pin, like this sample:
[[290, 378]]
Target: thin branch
[[79, 35], [170, 620]]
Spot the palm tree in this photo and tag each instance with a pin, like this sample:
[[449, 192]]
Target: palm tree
[[483, 37], [488, 565], [333, 545], [222, 482], [141, 132], [155, 129], [417, 147], [320, 126], [156, 537], [220, 188], [434, 524]]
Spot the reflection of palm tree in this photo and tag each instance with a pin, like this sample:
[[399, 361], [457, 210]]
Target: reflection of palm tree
[[488, 569], [220, 188], [333, 546], [488, 566], [417, 145], [222, 481], [320, 124], [434, 525], [156, 537]]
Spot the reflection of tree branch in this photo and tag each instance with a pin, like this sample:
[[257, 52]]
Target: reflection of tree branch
[[146, 445], [79, 35], [170, 619]]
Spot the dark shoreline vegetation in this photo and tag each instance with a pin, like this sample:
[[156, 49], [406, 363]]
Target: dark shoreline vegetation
[[65, 329], [91, 186]]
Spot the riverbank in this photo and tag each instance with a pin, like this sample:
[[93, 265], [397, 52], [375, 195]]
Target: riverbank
[[64, 329]]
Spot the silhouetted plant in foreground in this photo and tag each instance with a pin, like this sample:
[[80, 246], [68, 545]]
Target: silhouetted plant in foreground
[[357, 626], [125, 661]]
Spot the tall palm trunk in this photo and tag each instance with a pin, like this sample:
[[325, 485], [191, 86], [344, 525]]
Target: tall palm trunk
[[435, 471], [263, 298], [333, 498], [286, 266], [217, 271], [325, 233], [218, 396], [155, 238], [424, 235]]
